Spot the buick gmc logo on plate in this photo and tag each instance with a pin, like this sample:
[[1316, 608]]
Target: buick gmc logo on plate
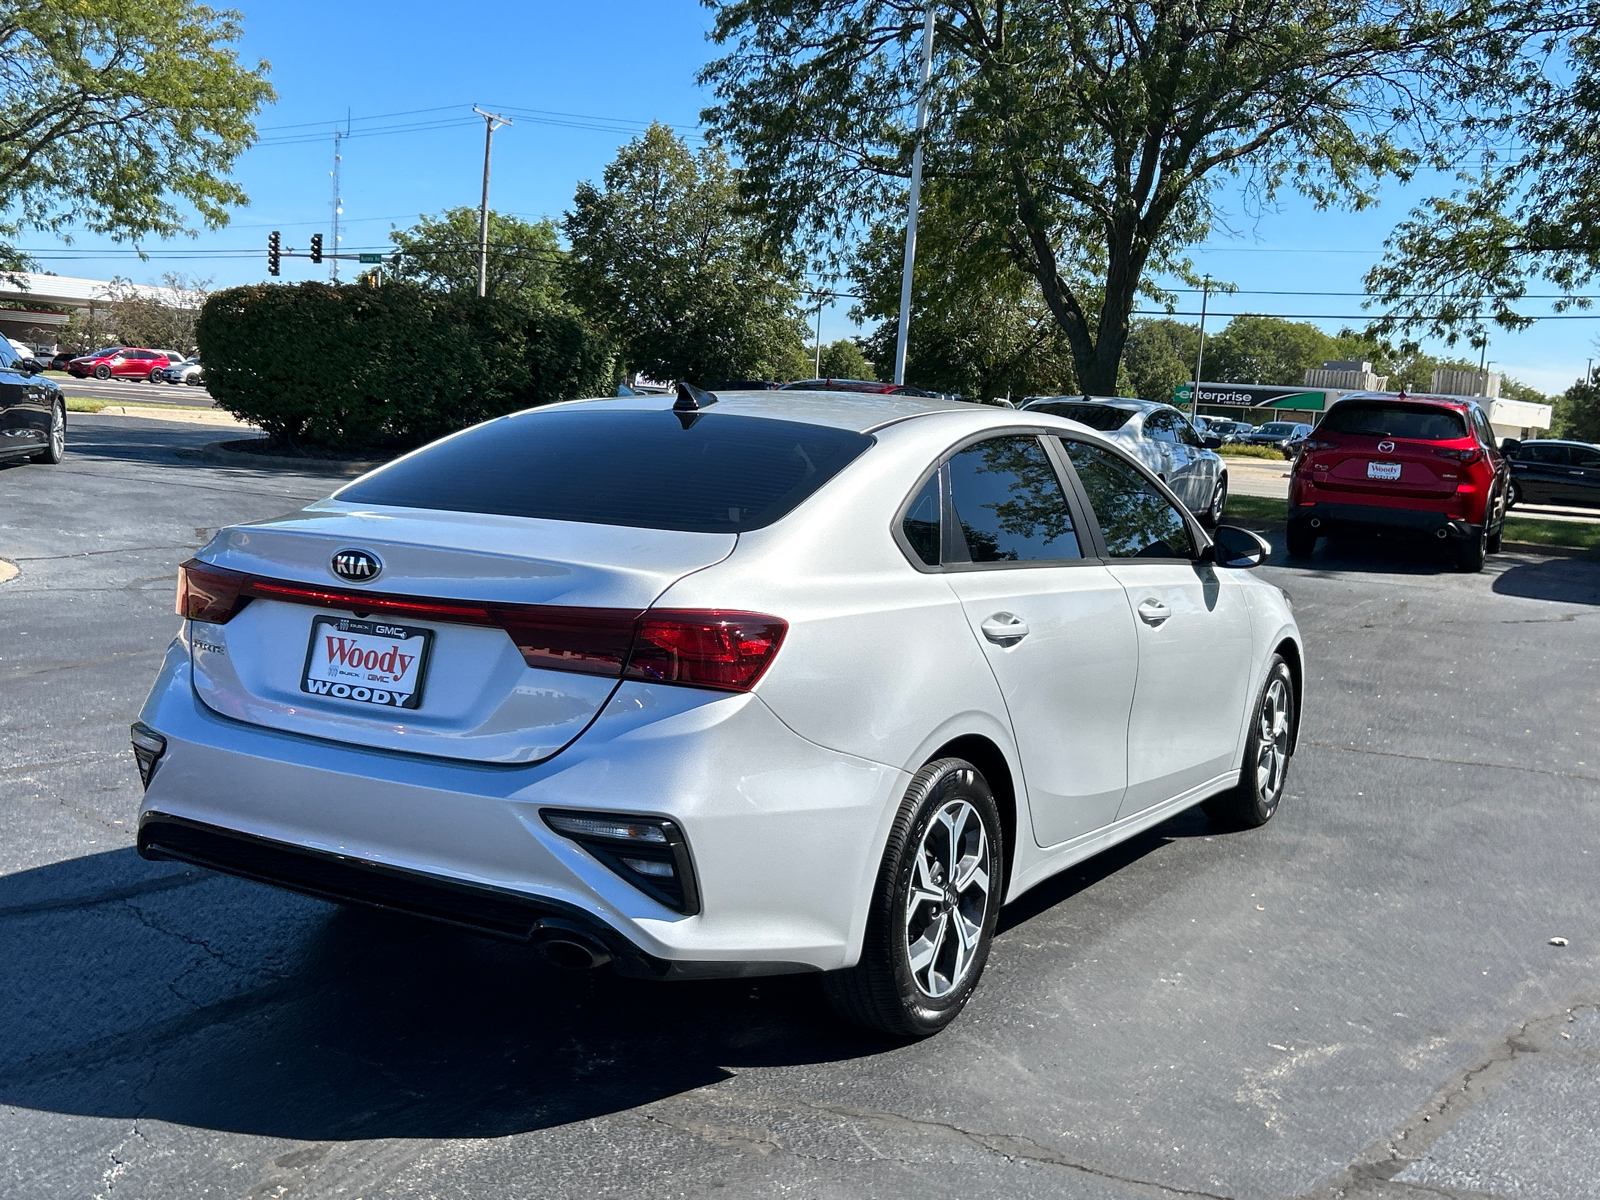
[[356, 565]]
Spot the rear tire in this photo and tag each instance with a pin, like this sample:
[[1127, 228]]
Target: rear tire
[[156, 375], [1301, 539], [56, 448], [1252, 801], [933, 910], [1471, 552]]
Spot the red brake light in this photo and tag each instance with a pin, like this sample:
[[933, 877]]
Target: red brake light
[[1320, 444], [207, 593], [1461, 456], [727, 650]]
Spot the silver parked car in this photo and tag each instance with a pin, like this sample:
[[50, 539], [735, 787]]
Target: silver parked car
[[1160, 437], [188, 371], [730, 685]]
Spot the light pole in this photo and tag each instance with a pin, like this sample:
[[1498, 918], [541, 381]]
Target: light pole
[[491, 122], [817, 368], [1200, 355], [916, 194]]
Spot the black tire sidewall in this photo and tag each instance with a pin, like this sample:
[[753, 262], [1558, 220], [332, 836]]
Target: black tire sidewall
[[1252, 748], [938, 784]]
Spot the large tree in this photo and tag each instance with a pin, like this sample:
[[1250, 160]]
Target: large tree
[[524, 265], [1091, 139], [1529, 209], [663, 259], [122, 116], [979, 326]]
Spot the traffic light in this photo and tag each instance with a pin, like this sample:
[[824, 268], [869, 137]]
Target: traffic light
[[274, 252], [316, 247]]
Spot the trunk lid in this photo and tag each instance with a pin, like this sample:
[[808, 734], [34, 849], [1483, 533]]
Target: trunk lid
[[475, 696], [1423, 473]]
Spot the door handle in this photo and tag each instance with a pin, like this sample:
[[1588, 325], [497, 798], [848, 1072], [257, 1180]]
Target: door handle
[[1005, 629], [1153, 612]]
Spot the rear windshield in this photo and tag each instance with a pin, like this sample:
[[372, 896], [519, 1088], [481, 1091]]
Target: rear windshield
[[1417, 422], [1103, 417], [705, 473]]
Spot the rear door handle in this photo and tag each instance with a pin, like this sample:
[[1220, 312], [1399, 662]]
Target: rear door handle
[[1005, 629], [1153, 612]]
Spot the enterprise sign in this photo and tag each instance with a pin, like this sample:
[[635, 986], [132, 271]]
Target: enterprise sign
[[1252, 395]]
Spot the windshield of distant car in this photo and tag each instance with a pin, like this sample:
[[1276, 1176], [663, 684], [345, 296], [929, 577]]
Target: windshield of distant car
[[1278, 427], [1415, 422], [705, 473], [1104, 417], [106, 353]]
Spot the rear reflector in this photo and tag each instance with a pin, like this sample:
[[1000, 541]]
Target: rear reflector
[[724, 650]]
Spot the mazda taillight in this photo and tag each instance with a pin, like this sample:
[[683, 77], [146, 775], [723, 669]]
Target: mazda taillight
[[728, 650], [1320, 444], [1464, 457], [207, 593]]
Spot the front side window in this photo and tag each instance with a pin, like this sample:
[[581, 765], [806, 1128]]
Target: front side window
[[1534, 453], [1136, 520], [1187, 435], [1009, 504]]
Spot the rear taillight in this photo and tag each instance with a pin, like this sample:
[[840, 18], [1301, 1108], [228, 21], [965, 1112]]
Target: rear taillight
[[727, 650], [207, 593], [1463, 457], [1320, 444], [698, 648]]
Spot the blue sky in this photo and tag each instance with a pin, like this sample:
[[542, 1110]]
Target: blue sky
[[625, 62]]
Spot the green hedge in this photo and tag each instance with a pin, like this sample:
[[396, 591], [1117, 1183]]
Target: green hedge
[[359, 366]]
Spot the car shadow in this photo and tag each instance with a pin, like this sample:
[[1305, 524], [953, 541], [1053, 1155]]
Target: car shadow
[[1386, 555], [382, 1026], [1564, 580]]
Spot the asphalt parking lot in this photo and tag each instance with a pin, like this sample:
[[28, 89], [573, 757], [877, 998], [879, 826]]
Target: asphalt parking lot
[[1361, 999]]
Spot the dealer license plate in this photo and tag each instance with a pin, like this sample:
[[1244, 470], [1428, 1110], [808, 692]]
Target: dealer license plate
[[369, 662], [1377, 470]]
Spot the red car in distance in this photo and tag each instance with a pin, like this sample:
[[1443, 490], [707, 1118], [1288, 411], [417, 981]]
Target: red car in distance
[[124, 362], [1392, 464]]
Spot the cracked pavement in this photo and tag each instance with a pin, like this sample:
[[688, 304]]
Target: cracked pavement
[[1359, 1001]]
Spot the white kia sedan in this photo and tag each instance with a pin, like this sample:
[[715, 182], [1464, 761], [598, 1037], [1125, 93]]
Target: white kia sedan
[[719, 686], [1161, 438]]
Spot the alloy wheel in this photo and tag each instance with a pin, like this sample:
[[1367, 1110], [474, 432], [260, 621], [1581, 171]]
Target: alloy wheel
[[948, 899], [1272, 753], [58, 432]]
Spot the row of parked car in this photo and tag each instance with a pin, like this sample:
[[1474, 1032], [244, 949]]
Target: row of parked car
[[131, 362]]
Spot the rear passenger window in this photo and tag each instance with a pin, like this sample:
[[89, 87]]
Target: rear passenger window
[[1009, 503], [1136, 520], [921, 525]]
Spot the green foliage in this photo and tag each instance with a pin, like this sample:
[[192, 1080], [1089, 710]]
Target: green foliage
[[1255, 349], [843, 360], [161, 321], [119, 115], [358, 366], [1160, 355], [524, 265], [665, 261], [1577, 413], [1088, 142], [979, 327]]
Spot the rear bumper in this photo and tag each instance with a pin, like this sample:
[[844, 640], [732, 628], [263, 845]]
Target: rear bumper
[[1376, 520], [784, 835]]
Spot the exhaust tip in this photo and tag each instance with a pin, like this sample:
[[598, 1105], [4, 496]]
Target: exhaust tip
[[1441, 533], [572, 955], [1316, 522]]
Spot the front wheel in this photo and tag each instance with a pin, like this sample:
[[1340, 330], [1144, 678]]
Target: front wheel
[[933, 909], [1253, 800], [55, 449], [1212, 517], [102, 372]]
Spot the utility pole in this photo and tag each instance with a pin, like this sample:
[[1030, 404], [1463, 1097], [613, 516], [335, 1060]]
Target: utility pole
[[916, 195], [491, 122], [338, 203], [1200, 355], [817, 369]]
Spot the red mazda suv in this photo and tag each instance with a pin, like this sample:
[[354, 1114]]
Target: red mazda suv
[[1383, 464]]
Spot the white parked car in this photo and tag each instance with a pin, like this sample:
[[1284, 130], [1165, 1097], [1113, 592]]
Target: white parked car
[[764, 683], [1161, 438], [187, 371]]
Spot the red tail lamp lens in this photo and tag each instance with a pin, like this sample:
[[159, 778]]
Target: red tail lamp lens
[[1320, 444], [1464, 457], [728, 650], [207, 593], [589, 641]]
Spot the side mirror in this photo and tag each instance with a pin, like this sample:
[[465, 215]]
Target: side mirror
[[30, 366], [1235, 547], [1211, 441], [1509, 447]]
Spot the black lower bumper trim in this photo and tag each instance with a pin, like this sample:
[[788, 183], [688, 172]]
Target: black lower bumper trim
[[1376, 519], [492, 911]]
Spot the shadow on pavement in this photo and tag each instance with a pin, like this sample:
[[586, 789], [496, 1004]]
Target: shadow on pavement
[[1564, 580], [383, 1027]]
